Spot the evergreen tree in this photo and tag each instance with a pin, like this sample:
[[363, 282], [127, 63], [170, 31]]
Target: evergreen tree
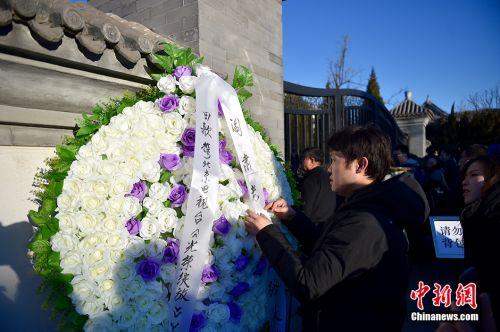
[[373, 88]]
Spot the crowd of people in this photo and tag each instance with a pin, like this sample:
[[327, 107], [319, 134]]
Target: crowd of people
[[363, 221]]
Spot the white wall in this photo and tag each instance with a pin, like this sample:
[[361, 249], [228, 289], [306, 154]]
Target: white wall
[[19, 304]]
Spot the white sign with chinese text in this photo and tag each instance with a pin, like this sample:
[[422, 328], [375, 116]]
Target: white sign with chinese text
[[447, 234]]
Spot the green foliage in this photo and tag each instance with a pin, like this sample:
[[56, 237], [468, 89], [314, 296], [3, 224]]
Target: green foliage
[[459, 130], [373, 87]]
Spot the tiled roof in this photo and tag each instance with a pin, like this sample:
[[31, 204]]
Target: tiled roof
[[434, 108], [409, 109], [94, 30]]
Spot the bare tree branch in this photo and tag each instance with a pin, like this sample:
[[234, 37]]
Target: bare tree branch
[[339, 75], [487, 99]]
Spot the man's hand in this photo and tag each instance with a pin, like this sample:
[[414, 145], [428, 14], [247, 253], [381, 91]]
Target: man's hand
[[281, 209], [254, 222]]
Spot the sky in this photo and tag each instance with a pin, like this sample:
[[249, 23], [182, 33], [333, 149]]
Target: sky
[[447, 49]]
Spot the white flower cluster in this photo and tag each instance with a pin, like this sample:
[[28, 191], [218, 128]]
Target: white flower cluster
[[98, 247]]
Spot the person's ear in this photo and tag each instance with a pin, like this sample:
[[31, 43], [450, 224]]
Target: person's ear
[[362, 165]]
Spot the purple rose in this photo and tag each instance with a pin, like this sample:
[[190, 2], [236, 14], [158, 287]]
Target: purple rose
[[241, 263], [182, 71], [188, 151], [169, 103], [261, 266], [209, 274], [239, 289], [243, 187], [148, 269], [266, 195], [139, 190], [170, 161], [221, 226], [177, 195], [188, 137], [198, 321], [235, 312], [171, 251], [220, 112], [225, 156], [133, 226]]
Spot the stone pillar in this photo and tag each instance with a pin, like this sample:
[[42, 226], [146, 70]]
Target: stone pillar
[[227, 33], [415, 129]]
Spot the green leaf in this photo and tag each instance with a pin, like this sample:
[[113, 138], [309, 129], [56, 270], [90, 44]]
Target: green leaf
[[40, 246], [48, 207], [171, 49], [37, 218], [242, 77], [62, 302], [156, 77], [243, 95], [167, 204], [165, 61], [65, 153], [165, 176], [54, 260], [85, 130], [54, 189]]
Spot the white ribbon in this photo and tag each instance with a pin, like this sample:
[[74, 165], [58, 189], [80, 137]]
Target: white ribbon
[[194, 246], [201, 206]]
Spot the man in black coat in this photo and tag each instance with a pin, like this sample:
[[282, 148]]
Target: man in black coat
[[319, 201], [355, 275]]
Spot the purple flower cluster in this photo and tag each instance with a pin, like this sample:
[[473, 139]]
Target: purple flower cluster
[[182, 71], [266, 195], [171, 251], [221, 226], [225, 156], [198, 321], [139, 190], [234, 312], [187, 140], [133, 226], [241, 263], [240, 289], [169, 103], [178, 195], [148, 269], [170, 161], [209, 274], [261, 266]]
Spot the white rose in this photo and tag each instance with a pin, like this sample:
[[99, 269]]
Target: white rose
[[143, 303], [63, 242], [86, 222], [66, 202], [234, 244], [114, 206], [190, 119], [167, 218], [233, 210], [71, 262], [146, 107], [111, 223], [91, 241], [159, 191], [131, 207], [116, 150], [85, 152], [158, 311], [149, 229], [150, 150], [167, 143], [127, 317], [114, 301], [106, 286], [100, 271], [174, 124], [200, 69], [92, 309], [100, 188], [167, 84], [154, 122], [217, 292], [186, 84], [218, 312], [98, 144], [142, 324], [91, 202], [84, 288], [154, 206], [167, 272], [120, 123], [73, 186], [135, 287], [135, 246], [156, 248], [101, 323], [106, 167], [150, 171], [117, 240], [130, 168], [187, 104], [125, 272], [67, 221]]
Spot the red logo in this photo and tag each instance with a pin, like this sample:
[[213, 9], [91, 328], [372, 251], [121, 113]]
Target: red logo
[[442, 295]]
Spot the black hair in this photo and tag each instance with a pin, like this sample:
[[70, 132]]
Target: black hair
[[313, 153], [369, 142]]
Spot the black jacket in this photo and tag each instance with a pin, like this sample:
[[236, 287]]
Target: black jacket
[[481, 230], [319, 200], [355, 276]]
